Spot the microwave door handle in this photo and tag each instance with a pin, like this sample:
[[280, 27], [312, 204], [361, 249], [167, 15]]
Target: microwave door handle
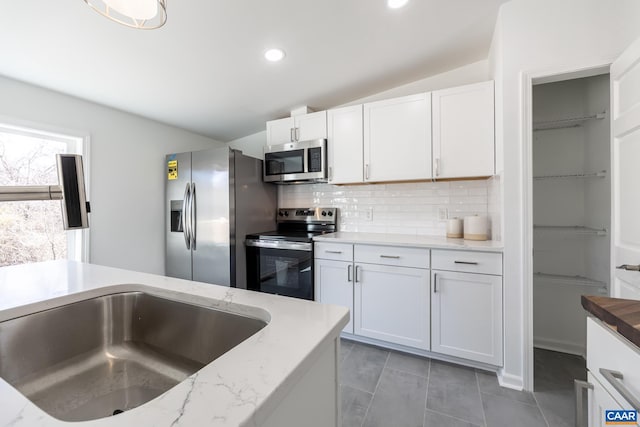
[[183, 216], [305, 160], [193, 230]]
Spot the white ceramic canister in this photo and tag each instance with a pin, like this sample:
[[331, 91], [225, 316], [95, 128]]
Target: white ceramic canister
[[454, 228], [476, 227]]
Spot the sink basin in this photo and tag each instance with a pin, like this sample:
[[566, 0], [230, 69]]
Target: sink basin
[[101, 356]]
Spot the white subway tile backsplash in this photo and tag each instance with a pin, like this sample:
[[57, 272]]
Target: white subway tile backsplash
[[404, 208]]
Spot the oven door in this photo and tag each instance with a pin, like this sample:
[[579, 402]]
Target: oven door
[[282, 268]]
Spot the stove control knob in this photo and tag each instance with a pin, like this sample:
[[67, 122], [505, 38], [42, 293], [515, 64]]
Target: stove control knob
[[286, 213], [281, 213], [324, 213], [330, 213]]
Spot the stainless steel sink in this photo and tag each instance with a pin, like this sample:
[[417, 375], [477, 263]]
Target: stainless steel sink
[[101, 356]]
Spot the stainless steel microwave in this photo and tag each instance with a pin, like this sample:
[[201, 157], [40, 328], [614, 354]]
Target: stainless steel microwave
[[303, 161]]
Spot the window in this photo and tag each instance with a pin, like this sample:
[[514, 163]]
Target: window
[[32, 231]]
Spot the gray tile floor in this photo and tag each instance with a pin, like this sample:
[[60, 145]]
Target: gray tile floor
[[383, 388]]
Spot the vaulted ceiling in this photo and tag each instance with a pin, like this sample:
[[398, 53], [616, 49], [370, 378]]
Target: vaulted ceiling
[[205, 71]]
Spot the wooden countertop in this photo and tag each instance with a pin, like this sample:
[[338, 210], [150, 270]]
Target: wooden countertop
[[622, 314]]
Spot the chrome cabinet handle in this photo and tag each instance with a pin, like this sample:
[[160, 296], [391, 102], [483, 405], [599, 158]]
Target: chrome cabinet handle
[[357, 269], [297, 134], [580, 387], [437, 164], [333, 252], [349, 267], [435, 283], [614, 377], [183, 216], [466, 262], [366, 171], [390, 256], [192, 211], [330, 172], [291, 134]]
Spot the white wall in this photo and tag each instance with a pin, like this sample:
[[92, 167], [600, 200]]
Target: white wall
[[126, 166], [252, 145], [534, 36]]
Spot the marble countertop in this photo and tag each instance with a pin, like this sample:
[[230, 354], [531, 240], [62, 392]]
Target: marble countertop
[[433, 242], [240, 388]]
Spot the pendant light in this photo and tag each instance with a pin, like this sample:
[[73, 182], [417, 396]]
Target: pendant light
[[141, 14]]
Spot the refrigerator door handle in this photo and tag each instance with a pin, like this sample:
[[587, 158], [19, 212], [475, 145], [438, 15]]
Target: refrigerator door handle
[[185, 221], [192, 213]]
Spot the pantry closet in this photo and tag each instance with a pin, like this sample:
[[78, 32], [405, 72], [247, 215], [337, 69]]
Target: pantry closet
[[571, 207]]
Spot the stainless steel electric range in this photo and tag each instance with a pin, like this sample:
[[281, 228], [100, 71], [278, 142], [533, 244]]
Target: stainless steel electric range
[[281, 261]]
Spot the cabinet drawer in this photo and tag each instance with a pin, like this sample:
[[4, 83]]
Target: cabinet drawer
[[392, 255], [335, 251], [467, 261], [608, 350]]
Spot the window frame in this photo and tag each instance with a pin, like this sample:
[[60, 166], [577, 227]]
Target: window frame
[[78, 142]]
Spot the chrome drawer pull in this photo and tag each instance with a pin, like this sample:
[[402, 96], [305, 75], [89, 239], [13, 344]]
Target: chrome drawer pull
[[613, 378], [580, 387], [465, 262], [333, 252], [349, 267], [390, 256]]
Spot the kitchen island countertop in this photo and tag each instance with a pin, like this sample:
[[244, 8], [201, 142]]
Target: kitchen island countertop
[[417, 241], [240, 388], [623, 315]]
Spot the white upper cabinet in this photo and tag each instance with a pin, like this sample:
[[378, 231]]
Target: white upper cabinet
[[345, 149], [311, 126], [463, 131], [304, 127], [280, 131], [397, 139]]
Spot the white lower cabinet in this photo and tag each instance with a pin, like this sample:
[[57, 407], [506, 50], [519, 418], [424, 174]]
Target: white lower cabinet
[[334, 285], [466, 316], [394, 297], [613, 365], [599, 402], [392, 304]]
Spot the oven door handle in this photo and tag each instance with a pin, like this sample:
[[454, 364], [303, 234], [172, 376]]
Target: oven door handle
[[277, 244]]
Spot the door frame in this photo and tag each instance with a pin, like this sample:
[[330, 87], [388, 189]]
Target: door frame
[[527, 80]]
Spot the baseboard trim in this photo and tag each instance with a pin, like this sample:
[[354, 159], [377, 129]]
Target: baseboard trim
[[511, 381], [560, 346], [419, 352]]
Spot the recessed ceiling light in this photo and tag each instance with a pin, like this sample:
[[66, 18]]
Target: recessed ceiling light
[[396, 4], [274, 55]]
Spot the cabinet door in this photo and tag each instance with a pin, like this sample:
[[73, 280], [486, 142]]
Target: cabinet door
[[280, 131], [311, 126], [599, 402], [467, 316], [463, 131], [397, 139], [392, 304], [344, 145], [334, 285]]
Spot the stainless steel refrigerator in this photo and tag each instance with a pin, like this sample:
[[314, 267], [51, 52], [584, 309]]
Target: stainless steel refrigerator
[[213, 199]]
